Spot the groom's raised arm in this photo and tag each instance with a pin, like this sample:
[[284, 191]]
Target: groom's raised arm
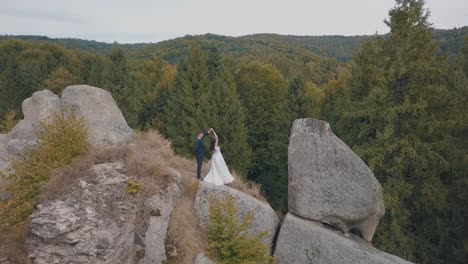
[[205, 134]]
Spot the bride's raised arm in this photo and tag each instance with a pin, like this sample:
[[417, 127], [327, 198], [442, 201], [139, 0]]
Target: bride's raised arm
[[216, 137]]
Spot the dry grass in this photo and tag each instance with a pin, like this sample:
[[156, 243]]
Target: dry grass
[[247, 186], [12, 244]]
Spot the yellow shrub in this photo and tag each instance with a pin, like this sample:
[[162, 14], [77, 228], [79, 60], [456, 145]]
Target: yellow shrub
[[61, 139], [133, 186], [228, 239]]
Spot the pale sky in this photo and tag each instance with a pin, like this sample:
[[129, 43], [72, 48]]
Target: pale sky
[[128, 21]]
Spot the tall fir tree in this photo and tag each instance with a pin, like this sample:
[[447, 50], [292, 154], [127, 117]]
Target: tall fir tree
[[203, 96], [398, 112], [304, 99], [187, 103], [227, 113], [263, 92], [118, 80]]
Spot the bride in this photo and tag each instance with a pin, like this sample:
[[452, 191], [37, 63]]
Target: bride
[[219, 173]]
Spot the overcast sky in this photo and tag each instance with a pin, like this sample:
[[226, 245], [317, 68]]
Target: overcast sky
[[128, 21]]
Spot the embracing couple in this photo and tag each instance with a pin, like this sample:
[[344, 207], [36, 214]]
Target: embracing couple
[[219, 173]]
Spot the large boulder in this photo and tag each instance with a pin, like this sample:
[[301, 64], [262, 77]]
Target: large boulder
[[305, 241], [106, 124], [328, 182], [265, 218], [92, 223], [36, 109]]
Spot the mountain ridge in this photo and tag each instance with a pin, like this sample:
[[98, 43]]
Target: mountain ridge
[[339, 47]]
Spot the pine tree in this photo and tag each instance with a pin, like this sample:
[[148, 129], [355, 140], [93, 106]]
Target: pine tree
[[397, 122], [204, 95], [58, 80], [263, 93], [120, 83], [303, 99], [187, 103]]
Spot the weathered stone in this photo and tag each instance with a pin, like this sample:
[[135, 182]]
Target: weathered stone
[[328, 182], [202, 259], [265, 218], [36, 109], [16, 147], [106, 124], [305, 241], [163, 204], [3, 139], [91, 225]]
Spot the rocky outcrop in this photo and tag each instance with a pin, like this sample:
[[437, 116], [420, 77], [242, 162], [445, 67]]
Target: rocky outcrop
[[98, 222], [36, 109], [265, 218], [106, 124], [328, 182], [305, 241], [91, 224], [161, 208]]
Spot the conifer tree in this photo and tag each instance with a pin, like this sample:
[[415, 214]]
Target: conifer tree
[[119, 82], [263, 92], [303, 99], [398, 123], [203, 96], [58, 80], [186, 106]]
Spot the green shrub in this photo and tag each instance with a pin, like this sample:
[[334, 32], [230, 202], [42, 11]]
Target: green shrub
[[228, 239], [9, 121], [61, 139]]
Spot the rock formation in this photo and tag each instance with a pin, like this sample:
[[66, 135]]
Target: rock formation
[[106, 124], [328, 182], [331, 191], [36, 109], [303, 241], [97, 222], [265, 218]]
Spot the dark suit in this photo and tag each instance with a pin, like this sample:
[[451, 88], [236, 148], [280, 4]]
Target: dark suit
[[199, 154]]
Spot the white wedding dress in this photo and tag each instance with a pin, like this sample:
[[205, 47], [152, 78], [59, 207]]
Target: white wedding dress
[[219, 173]]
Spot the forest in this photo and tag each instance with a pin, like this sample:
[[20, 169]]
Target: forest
[[398, 100]]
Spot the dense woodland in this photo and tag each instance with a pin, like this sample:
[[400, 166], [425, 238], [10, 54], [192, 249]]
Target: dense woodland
[[400, 103]]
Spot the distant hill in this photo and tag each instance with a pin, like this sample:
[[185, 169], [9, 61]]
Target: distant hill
[[78, 44], [341, 48]]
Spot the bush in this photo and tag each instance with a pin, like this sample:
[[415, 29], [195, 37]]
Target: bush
[[9, 121], [61, 139], [228, 239], [133, 186]]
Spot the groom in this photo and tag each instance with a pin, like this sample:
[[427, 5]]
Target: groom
[[200, 151]]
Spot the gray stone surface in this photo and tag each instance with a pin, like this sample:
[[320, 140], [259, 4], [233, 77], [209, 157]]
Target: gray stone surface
[[98, 222], [304, 241], [265, 218], [328, 182], [161, 206], [94, 224], [107, 125], [36, 109], [202, 259]]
